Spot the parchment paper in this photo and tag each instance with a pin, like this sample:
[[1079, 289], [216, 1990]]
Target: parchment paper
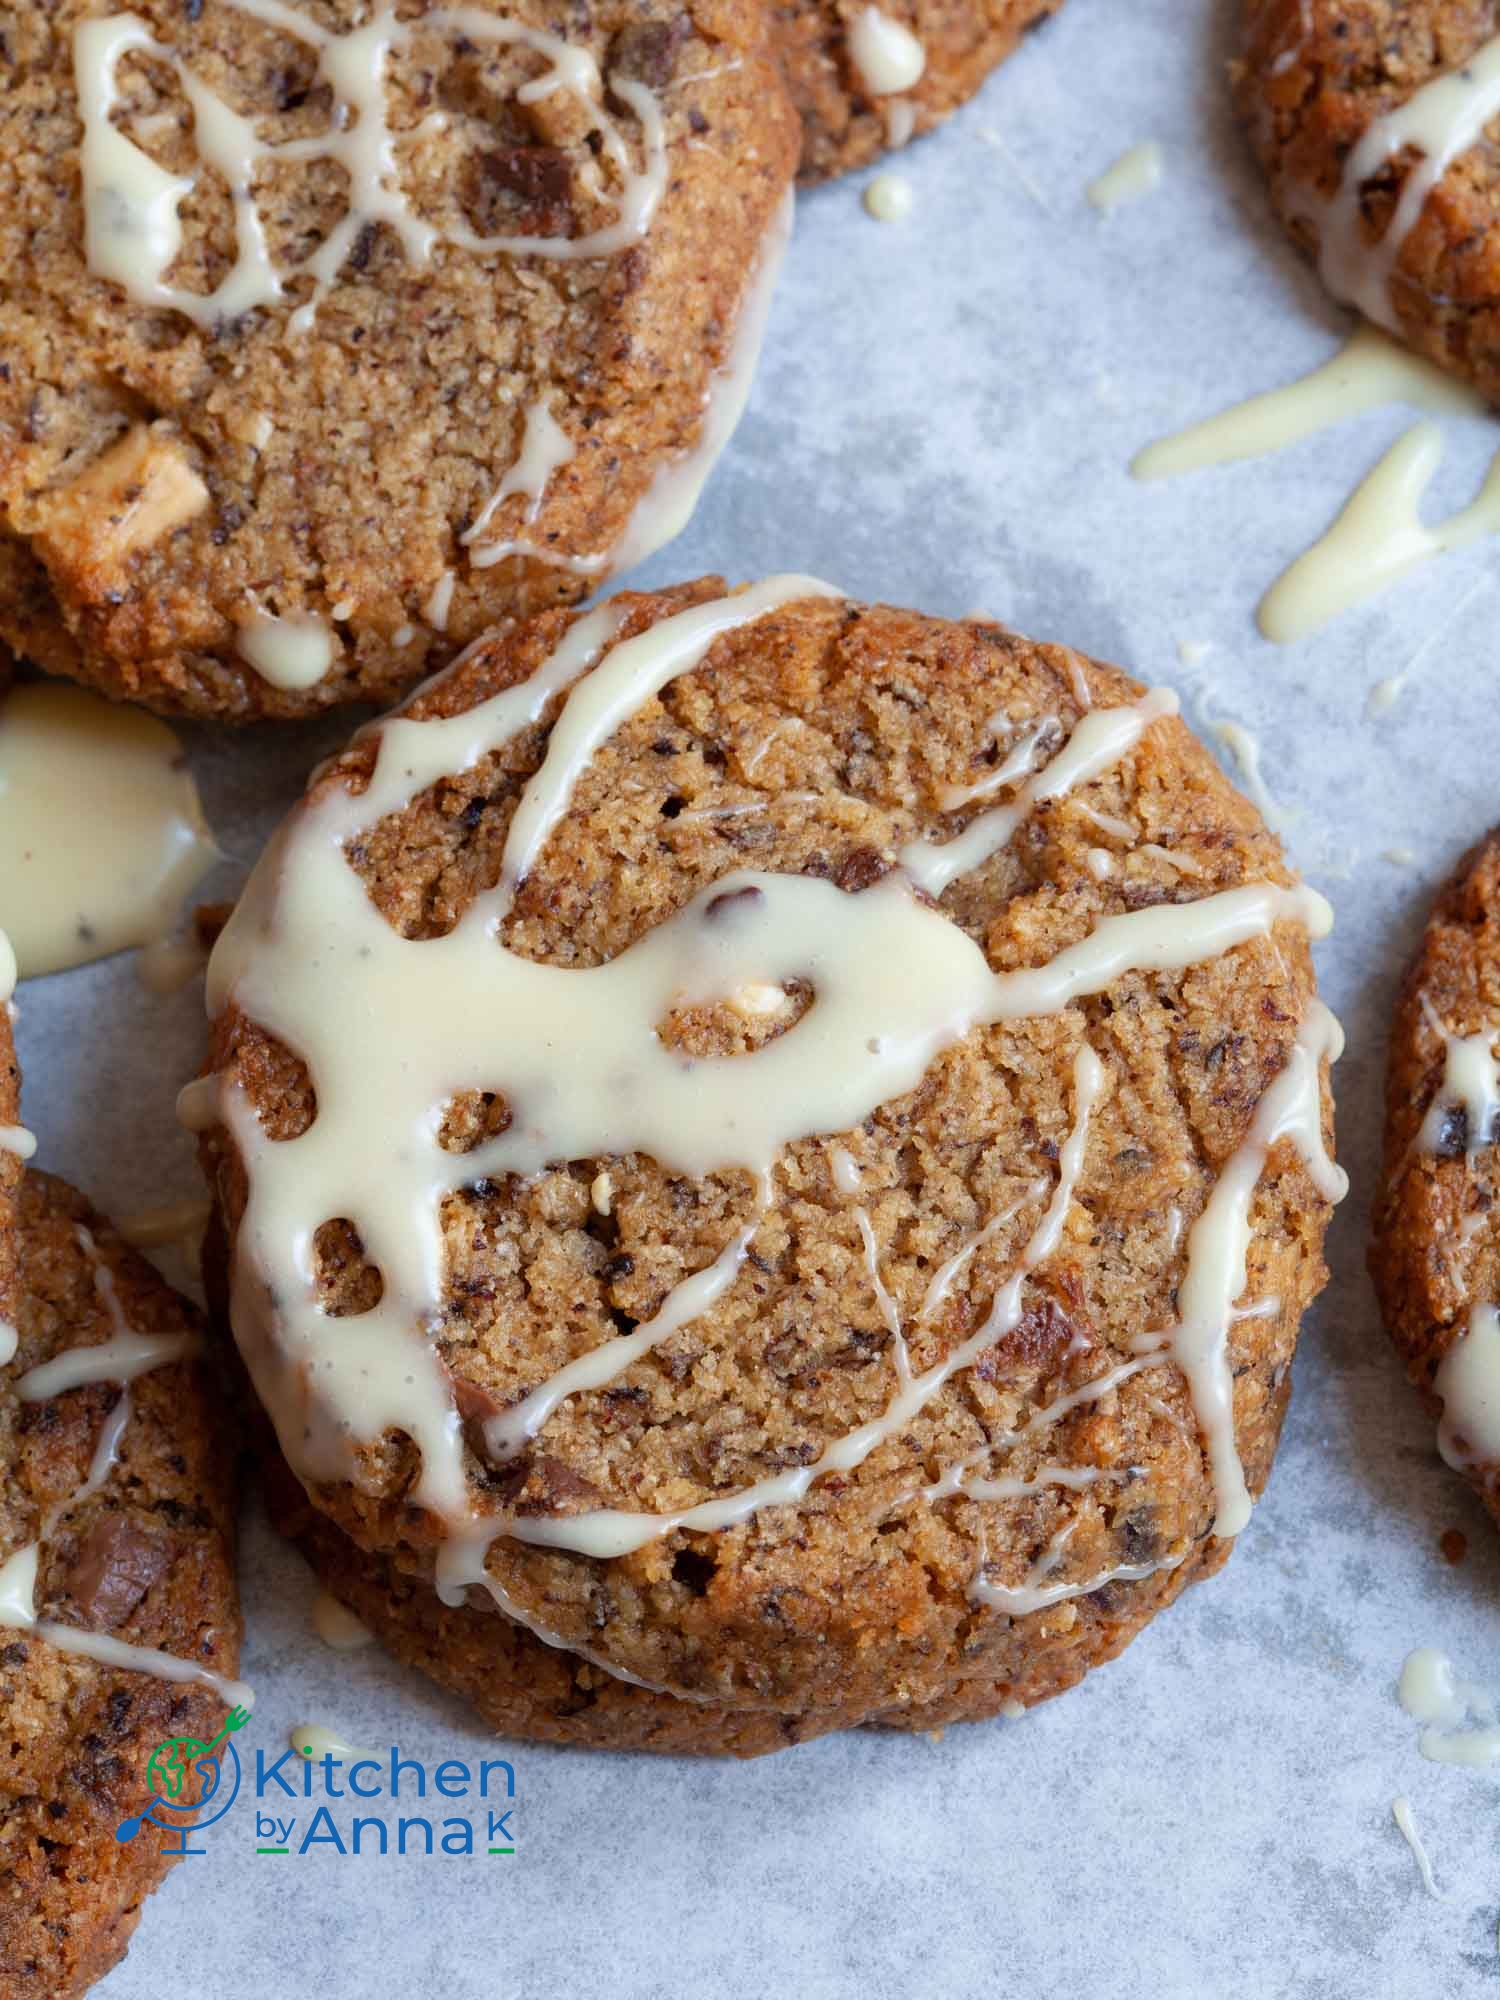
[[944, 419]]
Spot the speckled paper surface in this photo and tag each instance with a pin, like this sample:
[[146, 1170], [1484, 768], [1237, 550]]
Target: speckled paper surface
[[944, 419]]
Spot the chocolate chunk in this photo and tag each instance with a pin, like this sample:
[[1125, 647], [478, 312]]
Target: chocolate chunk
[[648, 52], [527, 185], [119, 1562]]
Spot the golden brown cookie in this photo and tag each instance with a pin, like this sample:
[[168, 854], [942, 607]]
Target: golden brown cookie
[[331, 339], [125, 1487], [1367, 117], [14, 1140], [762, 1188], [1435, 1251], [864, 77], [524, 1688]]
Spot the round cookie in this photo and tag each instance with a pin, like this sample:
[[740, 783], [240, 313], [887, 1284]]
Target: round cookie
[[1435, 1249], [1367, 117], [126, 1488], [805, 1156], [483, 310], [864, 78]]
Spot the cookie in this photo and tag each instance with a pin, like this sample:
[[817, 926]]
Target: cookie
[[329, 340], [116, 1551], [1435, 1249], [16, 1143], [864, 78], [1370, 119], [819, 1115], [524, 1688]]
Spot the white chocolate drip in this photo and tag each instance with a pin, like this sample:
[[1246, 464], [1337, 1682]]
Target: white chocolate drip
[[126, 1355], [894, 983], [17, 1140], [668, 503], [887, 56], [70, 892], [1406, 1822], [315, 1741], [337, 1626], [1041, 1589], [1379, 537], [1133, 175], [1471, 1084], [1368, 372], [291, 652], [1438, 122], [439, 601], [1018, 764], [512, 1431], [1219, 1241], [889, 198], [1097, 744], [1462, 1718], [133, 228], [847, 1177], [1468, 1380], [545, 448]]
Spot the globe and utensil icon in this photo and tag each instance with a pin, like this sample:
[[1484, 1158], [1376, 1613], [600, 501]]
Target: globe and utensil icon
[[187, 1776]]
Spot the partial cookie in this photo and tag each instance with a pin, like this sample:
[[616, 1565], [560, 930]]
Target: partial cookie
[[15, 1141], [819, 1116], [281, 437], [116, 1534], [1435, 1253], [864, 78], [1369, 118], [525, 1688]]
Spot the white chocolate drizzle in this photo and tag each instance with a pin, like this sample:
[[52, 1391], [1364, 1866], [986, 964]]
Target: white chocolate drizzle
[[1136, 173], [1406, 1823], [888, 58], [1438, 122], [1461, 1718], [337, 1626], [894, 983], [17, 1140], [1219, 1241], [133, 227], [100, 827], [1368, 372], [1379, 537], [314, 1741], [1468, 1380], [291, 652], [120, 1359], [889, 198], [1097, 744]]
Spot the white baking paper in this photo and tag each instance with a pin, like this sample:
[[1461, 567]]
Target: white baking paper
[[944, 419]]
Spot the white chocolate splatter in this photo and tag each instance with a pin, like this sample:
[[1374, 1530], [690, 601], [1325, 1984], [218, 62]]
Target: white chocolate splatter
[[71, 767], [1136, 173]]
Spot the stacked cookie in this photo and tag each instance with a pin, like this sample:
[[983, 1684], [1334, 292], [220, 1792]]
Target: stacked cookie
[[769, 1155]]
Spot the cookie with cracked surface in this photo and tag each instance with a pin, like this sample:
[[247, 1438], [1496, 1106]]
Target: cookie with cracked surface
[[807, 1133], [10, 1127], [285, 420], [1435, 1250], [122, 1489], [1369, 120], [524, 1688], [864, 78]]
